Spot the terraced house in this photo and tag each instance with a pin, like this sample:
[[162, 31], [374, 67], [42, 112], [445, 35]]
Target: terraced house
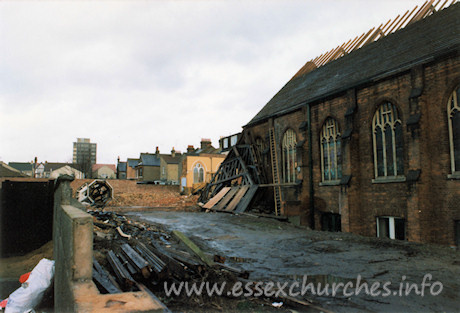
[[366, 138]]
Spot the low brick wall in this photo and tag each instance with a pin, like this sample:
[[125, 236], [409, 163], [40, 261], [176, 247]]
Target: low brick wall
[[73, 253]]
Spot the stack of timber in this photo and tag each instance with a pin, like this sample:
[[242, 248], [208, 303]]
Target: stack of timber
[[132, 256], [235, 183]]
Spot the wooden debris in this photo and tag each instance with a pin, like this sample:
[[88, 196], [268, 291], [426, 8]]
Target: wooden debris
[[139, 263], [156, 264], [104, 279], [124, 278], [193, 247]]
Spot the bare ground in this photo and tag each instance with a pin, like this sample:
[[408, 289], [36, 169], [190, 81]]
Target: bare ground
[[281, 252]]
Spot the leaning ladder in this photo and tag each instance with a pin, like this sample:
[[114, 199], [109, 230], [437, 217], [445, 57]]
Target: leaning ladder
[[275, 172]]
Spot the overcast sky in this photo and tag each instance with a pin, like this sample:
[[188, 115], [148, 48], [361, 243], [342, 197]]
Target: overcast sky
[[132, 75]]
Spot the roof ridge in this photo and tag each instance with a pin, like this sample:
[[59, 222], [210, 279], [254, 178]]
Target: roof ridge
[[390, 27]]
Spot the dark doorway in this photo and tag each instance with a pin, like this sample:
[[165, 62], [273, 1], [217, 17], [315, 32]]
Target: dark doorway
[[26, 216], [331, 222]]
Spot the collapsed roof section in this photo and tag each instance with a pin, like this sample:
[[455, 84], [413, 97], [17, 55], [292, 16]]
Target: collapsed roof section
[[340, 70]]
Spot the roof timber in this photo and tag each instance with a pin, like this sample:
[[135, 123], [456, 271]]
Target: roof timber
[[374, 34]]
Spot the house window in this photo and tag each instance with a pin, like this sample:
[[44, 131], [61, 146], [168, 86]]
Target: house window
[[233, 140], [289, 156], [387, 140], [198, 173], [331, 155], [164, 170], [453, 116], [139, 172], [391, 227], [225, 143]]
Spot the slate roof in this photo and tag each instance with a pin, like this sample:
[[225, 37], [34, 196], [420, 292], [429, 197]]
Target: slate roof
[[21, 166], [8, 171], [52, 166], [169, 159], [133, 162], [207, 150], [420, 42], [122, 166], [148, 159]]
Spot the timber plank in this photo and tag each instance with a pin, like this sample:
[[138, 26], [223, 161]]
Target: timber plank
[[216, 198], [222, 203], [193, 247], [243, 204], [240, 194]]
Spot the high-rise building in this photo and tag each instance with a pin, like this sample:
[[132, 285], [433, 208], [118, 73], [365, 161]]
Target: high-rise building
[[84, 154]]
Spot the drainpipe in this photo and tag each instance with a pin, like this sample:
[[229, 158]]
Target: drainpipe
[[310, 165]]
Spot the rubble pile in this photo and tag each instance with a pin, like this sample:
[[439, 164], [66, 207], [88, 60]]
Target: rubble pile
[[165, 200], [132, 256]]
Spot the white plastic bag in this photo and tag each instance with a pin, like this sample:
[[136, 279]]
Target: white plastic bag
[[29, 295]]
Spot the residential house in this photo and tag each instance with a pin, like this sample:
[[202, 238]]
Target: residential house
[[226, 143], [148, 169], [198, 166], [66, 170], [105, 171], [24, 167], [368, 140], [8, 171], [131, 171], [170, 167], [53, 169], [121, 169]]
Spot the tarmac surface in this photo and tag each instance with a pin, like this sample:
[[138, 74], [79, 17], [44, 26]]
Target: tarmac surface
[[279, 252]]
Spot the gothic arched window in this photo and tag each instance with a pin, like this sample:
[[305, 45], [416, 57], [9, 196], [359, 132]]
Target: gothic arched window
[[453, 116], [289, 156], [198, 173], [387, 139], [331, 154]]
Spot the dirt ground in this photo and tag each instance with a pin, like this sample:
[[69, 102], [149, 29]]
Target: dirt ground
[[280, 252]]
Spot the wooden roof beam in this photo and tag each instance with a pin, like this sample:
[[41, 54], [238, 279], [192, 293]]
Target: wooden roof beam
[[442, 6], [396, 25], [341, 50], [386, 32], [429, 10], [355, 43], [408, 18], [321, 62], [326, 59], [421, 13], [374, 35], [351, 44], [360, 43], [384, 27]]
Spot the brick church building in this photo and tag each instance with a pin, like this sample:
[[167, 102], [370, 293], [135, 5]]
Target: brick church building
[[369, 142]]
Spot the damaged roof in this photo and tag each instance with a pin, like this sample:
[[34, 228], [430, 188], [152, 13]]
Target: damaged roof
[[420, 42]]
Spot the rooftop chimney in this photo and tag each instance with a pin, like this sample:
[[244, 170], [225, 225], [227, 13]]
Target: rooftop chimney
[[173, 153], [205, 143], [190, 149], [157, 151]]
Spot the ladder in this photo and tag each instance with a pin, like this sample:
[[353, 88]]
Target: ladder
[[275, 172]]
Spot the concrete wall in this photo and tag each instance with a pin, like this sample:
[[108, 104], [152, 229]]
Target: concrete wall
[[74, 289]]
